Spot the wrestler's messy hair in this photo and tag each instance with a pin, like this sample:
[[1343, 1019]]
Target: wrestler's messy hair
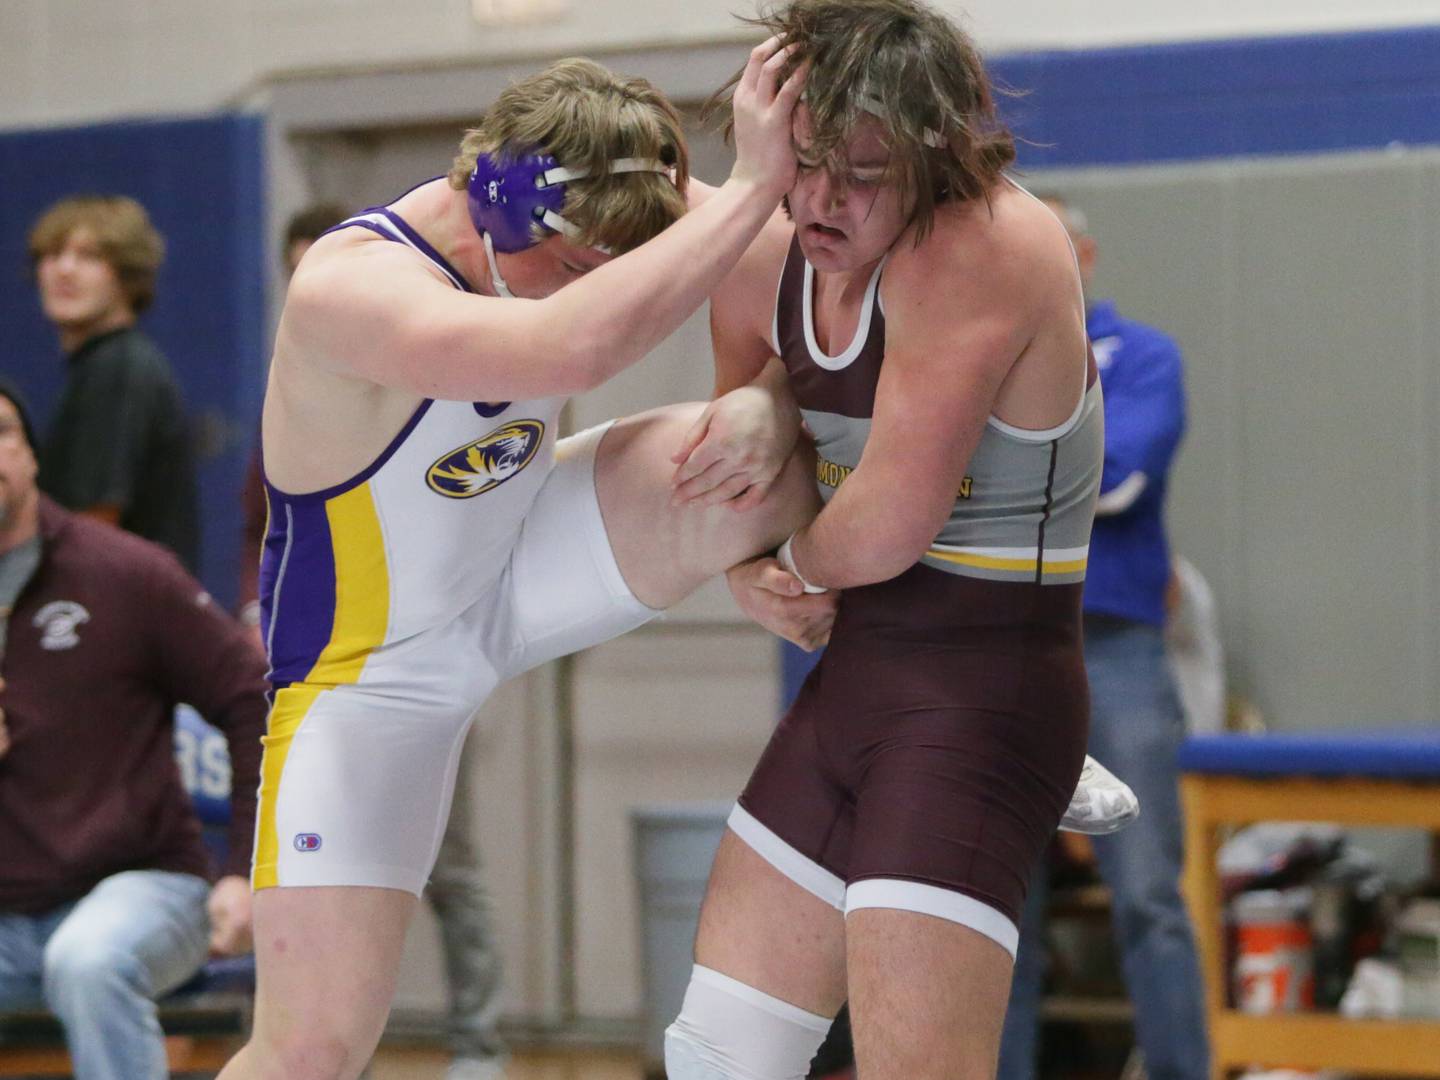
[[913, 69], [585, 116]]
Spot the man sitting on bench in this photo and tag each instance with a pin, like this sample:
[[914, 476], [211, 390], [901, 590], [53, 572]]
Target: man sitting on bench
[[106, 900]]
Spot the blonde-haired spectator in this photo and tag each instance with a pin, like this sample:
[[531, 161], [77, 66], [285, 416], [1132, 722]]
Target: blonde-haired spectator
[[119, 447]]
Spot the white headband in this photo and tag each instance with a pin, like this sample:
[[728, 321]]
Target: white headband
[[875, 107]]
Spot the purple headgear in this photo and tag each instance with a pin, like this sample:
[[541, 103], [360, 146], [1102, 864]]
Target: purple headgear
[[508, 195]]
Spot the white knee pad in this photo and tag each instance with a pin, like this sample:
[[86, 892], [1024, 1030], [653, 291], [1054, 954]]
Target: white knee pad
[[729, 1031]]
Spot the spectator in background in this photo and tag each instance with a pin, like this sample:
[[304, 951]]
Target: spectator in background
[[119, 447], [457, 887], [1136, 722], [106, 901]]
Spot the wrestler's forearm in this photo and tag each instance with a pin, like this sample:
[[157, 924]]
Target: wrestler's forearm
[[620, 311], [862, 537]]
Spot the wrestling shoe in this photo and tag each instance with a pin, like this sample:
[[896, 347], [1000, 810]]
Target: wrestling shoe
[[1102, 803]]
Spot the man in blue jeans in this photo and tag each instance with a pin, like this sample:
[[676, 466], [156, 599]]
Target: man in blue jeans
[[1136, 721], [107, 897]]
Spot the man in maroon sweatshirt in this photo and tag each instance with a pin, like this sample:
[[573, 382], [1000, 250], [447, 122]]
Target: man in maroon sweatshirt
[[106, 901]]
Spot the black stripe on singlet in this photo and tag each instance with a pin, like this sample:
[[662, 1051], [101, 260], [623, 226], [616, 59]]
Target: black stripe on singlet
[[1045, 514]]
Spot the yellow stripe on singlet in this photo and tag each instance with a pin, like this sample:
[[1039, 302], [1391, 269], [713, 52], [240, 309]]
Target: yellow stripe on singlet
[[1025, 565], [362, 615]]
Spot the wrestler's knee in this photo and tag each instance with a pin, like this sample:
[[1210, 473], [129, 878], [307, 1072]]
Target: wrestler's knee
[[793, 500], [310, 1043], [633, 461], [729, 1031], [665, 427], [305, 1055]]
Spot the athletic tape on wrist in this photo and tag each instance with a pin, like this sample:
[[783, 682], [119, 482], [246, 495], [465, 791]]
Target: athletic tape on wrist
[[786, 557]]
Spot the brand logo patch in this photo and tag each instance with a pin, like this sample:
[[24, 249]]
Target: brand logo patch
[[307, 841], [478, 466], [59, 622]]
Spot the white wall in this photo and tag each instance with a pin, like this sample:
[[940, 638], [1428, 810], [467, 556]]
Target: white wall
[[69, 61]]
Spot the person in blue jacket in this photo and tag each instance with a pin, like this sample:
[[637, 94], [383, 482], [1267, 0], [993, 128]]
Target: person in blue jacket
[[1136, 720]]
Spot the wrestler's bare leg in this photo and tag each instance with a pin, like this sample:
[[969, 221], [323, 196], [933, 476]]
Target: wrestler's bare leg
[[927, 996], [759, 927], [327, 958], [665, 552]]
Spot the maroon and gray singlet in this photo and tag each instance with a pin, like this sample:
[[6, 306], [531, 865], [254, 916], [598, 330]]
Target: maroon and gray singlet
[[930, 755]]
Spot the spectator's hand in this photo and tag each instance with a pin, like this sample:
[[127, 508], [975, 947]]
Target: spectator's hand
[[231, 927], [4, 731], [776, 599], [249, 616], [762, 106], [734, 451]]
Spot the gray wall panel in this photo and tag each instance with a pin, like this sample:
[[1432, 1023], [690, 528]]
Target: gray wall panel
[[1426, 224], [1325, 329], [1304, 294]]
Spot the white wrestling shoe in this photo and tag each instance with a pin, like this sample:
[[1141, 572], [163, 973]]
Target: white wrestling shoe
[[1102, 803]]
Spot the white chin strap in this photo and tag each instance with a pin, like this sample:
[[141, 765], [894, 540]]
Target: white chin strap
[[501, 289]]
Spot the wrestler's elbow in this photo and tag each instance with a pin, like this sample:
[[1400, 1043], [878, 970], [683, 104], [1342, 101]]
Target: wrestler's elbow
[[604, 348], [576, 368]]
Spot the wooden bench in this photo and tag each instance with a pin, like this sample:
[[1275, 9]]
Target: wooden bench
[[1389, 779]]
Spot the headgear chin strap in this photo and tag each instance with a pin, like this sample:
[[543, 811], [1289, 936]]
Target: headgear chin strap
[[501, 288], [508, 195]]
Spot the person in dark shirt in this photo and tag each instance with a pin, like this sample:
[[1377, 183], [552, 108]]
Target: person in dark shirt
[[106, 900], [119, 447]]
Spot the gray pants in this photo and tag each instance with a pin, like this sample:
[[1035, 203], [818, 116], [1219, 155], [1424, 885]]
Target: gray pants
[[472, 960]]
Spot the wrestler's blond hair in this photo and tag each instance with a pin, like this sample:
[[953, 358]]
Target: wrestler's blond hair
[[579, 112]]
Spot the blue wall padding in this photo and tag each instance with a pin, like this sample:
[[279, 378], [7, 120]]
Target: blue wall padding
[[1216, 99], [202, 180]]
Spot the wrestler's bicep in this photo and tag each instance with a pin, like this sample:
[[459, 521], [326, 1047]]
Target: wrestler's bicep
[[388, 320]]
